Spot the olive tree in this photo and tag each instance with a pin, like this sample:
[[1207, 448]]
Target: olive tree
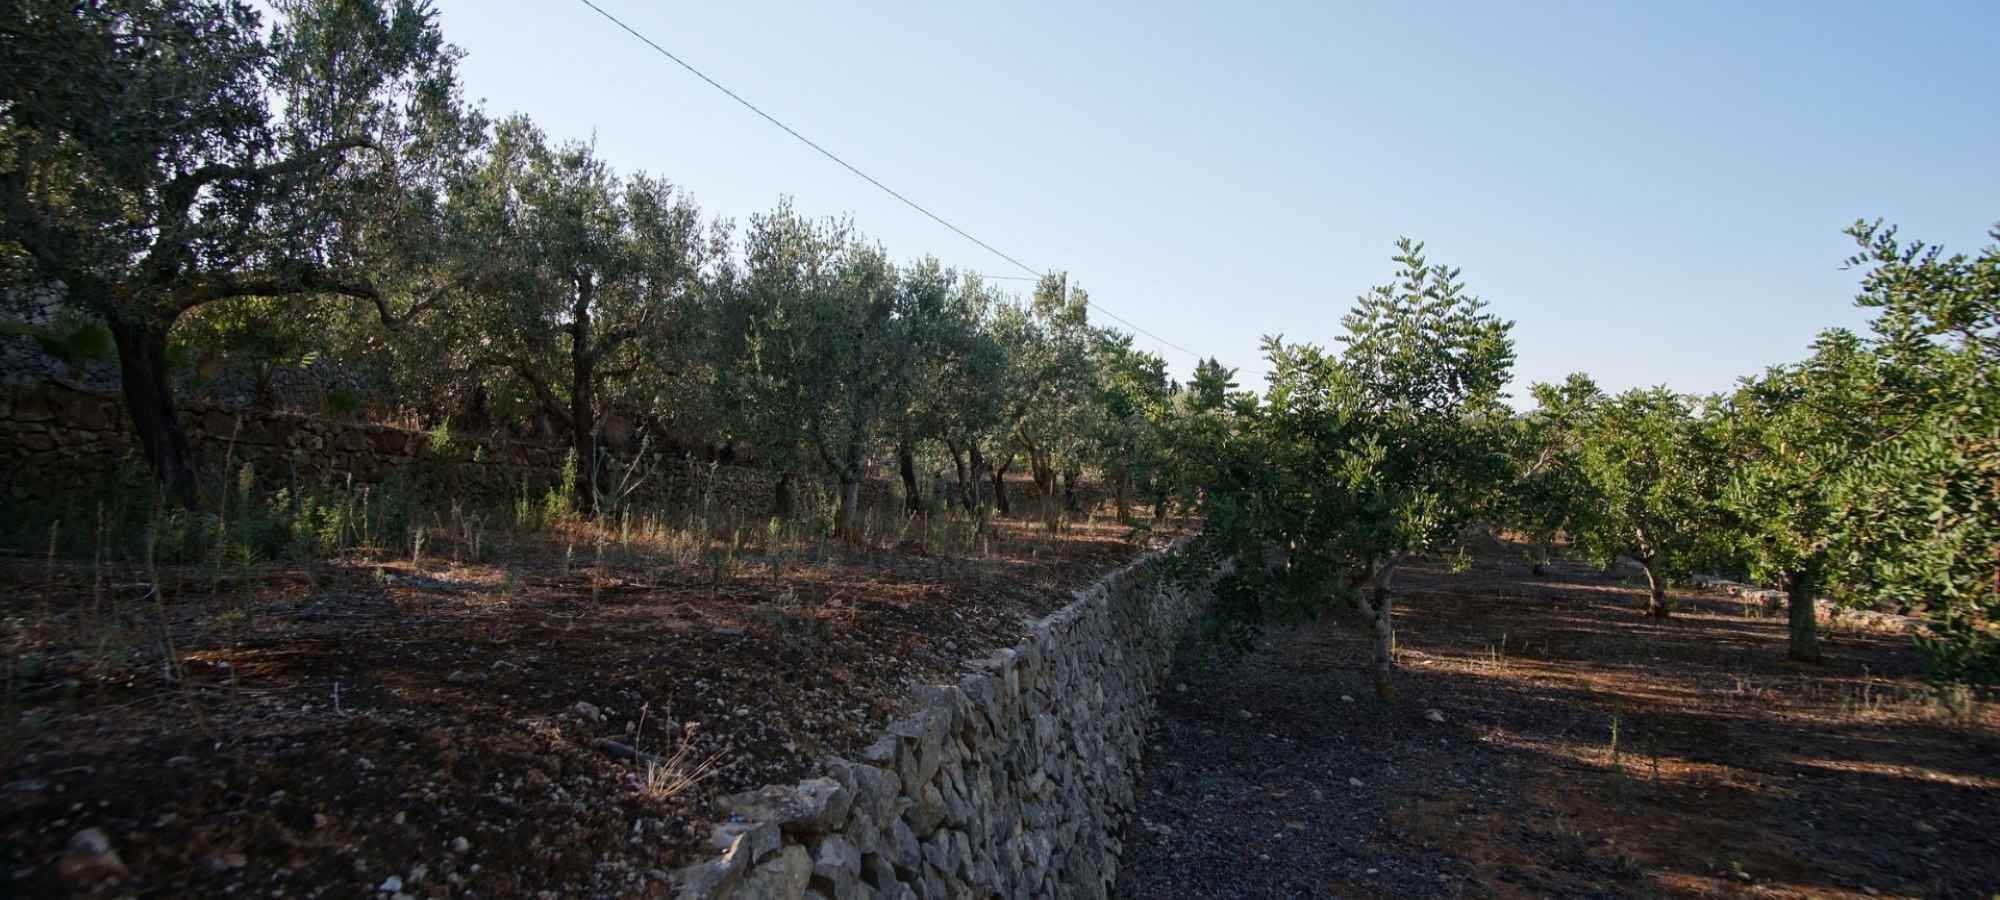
[[957, 377], [820, 329], [595, 271], [148, 171], [1051, 387]]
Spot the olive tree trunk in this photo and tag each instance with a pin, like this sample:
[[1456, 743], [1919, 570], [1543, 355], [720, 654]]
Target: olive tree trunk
[[1001, 507], [582, 396], [906, 464], [149, 398]]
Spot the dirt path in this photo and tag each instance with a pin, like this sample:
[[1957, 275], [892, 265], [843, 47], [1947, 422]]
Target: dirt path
[[1733, 773]]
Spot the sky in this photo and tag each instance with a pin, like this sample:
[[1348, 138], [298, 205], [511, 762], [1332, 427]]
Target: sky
[[1655, 193]]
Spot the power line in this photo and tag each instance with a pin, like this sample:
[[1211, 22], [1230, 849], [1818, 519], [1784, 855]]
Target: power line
[[871, 179]]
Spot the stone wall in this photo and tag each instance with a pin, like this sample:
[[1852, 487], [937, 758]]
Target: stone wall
[[56, 440], [1011, 783]]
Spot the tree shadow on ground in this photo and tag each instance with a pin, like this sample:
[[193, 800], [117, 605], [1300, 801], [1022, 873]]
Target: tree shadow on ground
[[1732, 773]]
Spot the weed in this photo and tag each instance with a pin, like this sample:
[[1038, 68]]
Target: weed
[[510, 585], [1613, 753], [797, 621], [775, 549], [669, 776]]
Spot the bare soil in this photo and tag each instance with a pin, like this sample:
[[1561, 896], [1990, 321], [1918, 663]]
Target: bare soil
[[429, 727], [1550, 741]]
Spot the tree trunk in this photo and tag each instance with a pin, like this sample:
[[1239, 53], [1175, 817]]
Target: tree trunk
[[1802, 607], [1382, 619], [1045, 487], [149, 398], [848, 525], [1001, 507], [1072, 496], [959, 495], [913, 496], [782, 502], [1656, 598], [583, 377]]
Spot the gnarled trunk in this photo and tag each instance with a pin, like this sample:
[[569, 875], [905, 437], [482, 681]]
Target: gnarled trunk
[[848, 526], [1656, 598], [906, 464], [1045, 488], [149, 398], [783, 503], [1000, 505], [963, 493]]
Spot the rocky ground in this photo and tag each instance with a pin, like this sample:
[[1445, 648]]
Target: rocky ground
[[398, 727], [1549, 741]]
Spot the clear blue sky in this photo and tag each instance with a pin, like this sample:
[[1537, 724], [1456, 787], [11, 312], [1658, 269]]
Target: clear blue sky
[[1654, 192]]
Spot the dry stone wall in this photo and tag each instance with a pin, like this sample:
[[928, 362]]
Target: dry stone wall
[[55, 441], [1011, 783]]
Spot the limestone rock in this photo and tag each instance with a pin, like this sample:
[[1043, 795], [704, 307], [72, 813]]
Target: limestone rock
[[904, 852], [89, 857], [927, 812], [836, 866], [784, 877], [745, 844], [875, 790], [815, 806]]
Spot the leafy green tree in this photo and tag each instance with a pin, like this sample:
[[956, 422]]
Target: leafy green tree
[[1796, 435], [1051, 386], [1353, 462], [957, 377], [595, 270], [147, 171], [821, 328], [1652, 472], [1868, 472], [1212, 385], [1134, 395], [1926, 493], [1551, 494]]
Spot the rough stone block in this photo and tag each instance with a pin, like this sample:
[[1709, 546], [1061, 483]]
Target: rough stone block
[[814, 806], [875, 788], [923, 735], [784, 877], [928, 810], [836, 866], [904, 852], [879, 872], [744, 844]]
